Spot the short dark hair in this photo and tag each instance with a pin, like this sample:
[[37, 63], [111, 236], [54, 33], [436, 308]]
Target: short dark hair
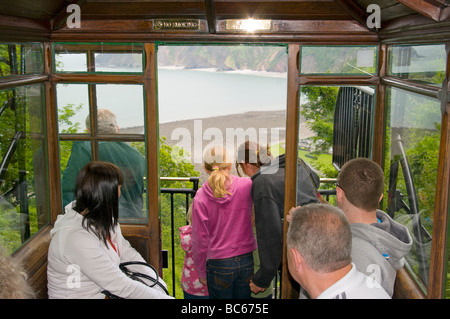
[[362, 181], [252, 153], [97, 197]]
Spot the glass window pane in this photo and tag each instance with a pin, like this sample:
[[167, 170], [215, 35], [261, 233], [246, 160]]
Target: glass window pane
[[131, 161], [23, 179], [119, 109], [333, 60], [411, 165], [71, 62], [336, 125], [99, 57], [118, 62], [20, 59], [126, 101], [73, 107], [425, 63]]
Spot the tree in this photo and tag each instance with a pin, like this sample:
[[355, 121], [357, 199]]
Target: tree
[[319, 114]]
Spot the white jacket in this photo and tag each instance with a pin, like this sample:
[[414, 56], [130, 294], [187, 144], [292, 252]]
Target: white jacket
[[81, 266]]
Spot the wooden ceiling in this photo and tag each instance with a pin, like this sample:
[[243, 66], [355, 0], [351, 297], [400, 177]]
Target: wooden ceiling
[[49, 16]]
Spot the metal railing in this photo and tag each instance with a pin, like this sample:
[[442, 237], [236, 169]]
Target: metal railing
[[190, 193], [353, 124]]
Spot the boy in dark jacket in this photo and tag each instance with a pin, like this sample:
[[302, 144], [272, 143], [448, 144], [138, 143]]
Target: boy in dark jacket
[[268, 198]]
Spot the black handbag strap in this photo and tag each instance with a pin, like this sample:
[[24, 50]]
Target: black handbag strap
[[138, 277]]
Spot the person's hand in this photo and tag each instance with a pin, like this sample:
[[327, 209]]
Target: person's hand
[[203, 281], [255, 289], [289, 216]]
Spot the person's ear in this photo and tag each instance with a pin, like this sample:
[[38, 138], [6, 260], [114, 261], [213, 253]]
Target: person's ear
[[339, 194], [297, 259]]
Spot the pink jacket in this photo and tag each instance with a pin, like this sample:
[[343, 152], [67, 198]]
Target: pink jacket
[[189, 277], [222, 227]]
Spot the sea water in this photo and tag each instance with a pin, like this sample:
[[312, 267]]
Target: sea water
[[182, 94]]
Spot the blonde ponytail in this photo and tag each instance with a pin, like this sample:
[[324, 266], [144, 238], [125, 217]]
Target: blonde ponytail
[[215, 161]]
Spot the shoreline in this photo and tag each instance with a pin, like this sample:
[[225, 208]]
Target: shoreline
[[242, 72]]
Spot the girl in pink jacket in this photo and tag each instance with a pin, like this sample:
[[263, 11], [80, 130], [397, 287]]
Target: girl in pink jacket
[[222, 235]]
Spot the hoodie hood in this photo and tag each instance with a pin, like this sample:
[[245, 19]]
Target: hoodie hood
[[231, 187], [272, 167], [70, 220], [389, 237]]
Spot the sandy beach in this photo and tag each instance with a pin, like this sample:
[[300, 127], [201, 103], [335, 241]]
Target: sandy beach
[[196, 134]]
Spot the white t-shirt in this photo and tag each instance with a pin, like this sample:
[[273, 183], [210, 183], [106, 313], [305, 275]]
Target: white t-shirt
[[355, 285]]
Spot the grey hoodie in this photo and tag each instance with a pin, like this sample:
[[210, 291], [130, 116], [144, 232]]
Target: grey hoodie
[[378, 249]]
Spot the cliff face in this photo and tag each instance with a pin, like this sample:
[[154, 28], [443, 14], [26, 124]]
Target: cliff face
[[220, 57], [225, 58]]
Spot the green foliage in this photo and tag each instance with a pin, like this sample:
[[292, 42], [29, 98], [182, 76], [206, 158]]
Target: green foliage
[[319, 114], [23, 113], [172, 164]]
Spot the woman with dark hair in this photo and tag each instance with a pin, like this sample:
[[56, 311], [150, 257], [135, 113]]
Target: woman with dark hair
[[87, 245]]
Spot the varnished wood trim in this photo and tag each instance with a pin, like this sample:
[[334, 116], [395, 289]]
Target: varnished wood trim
[[290, 185], [423, 89], [98, 78], [379, 134], [338, 80], [437, 275], [406, 287], [424, 8], [152, 123], [54, 174], [33, 258], [15, 81], [15, 29]]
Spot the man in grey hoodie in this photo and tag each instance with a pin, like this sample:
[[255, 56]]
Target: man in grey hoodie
[[379, 243]]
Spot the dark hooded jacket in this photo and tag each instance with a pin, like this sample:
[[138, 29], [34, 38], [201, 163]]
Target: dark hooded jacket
[[268, 199]]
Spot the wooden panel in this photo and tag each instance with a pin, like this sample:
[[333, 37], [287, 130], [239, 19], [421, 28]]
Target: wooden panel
[[142, 10], [380, 111], [33, 257], [438, 277], [141, 245], [39, 10], [276, 10], [15, 29], [54, 172], [290, 198], [405, 287], [427, 9], [152, 124]]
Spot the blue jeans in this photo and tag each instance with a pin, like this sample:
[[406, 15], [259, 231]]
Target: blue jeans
[[229, 278], [189, 296]]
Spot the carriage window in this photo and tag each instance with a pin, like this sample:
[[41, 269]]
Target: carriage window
[[23, 174], [336, 125], [424, 63], [115, 135], [99, 57], [20, 59], [335, 60], [207, 95], [411, 165]]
